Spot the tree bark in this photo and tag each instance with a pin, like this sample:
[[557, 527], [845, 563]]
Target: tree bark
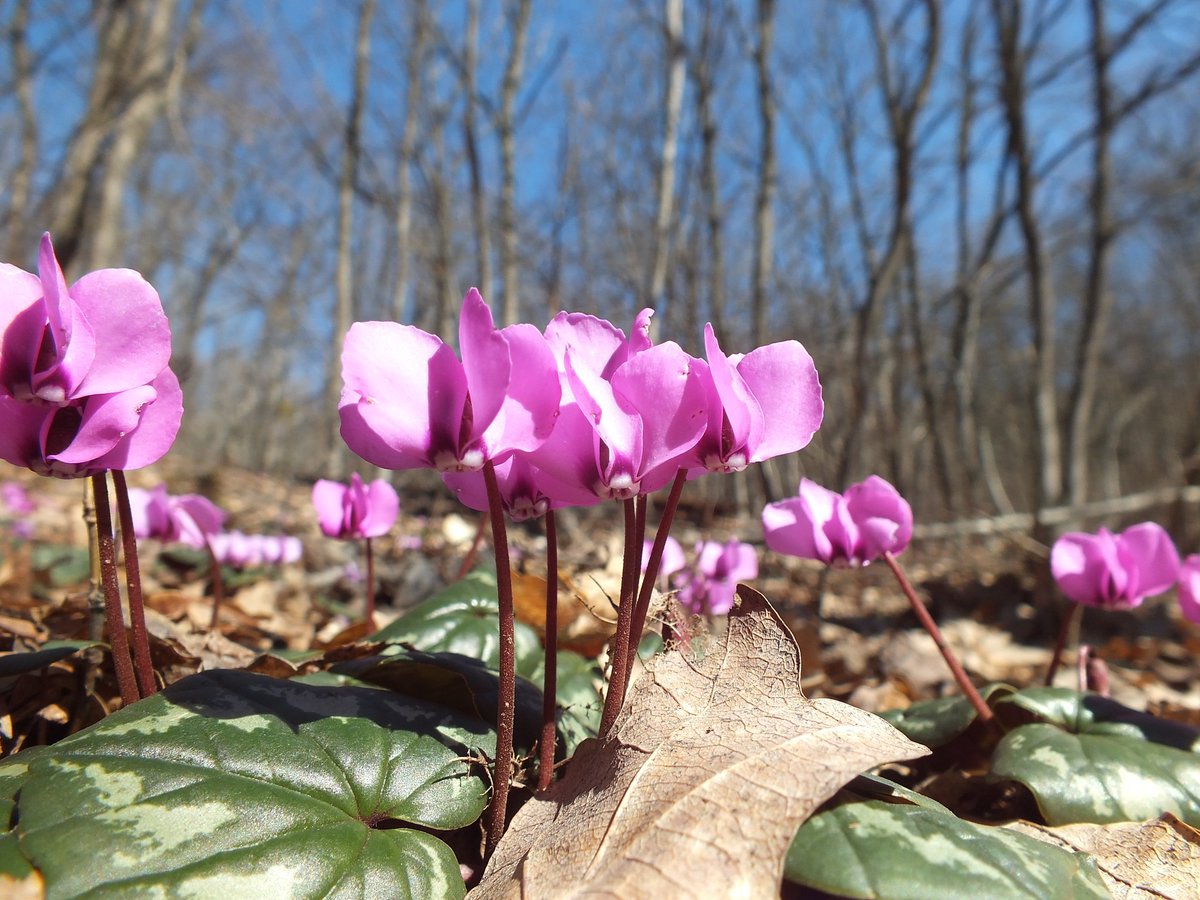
[[672, 107], [479, 210], [764, 218], [414, 66], [505, 131]]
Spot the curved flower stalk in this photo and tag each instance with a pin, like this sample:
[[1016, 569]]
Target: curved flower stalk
[[357, 511], [710, 589], [1189, 588], [849, 529], [763, 404], [85, 390], [1111, 571], [869, 521]]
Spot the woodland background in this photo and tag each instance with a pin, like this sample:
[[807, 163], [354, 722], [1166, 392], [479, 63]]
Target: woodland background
[[981, 218]]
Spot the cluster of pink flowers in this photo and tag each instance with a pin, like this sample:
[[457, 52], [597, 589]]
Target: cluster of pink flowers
[[709, 587], [232, 548], [570, 416], [1119, 571], [84, 381], [355, 510]]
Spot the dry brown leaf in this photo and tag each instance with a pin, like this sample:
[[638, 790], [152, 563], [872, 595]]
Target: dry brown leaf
[[1137, 860], [715, 763]]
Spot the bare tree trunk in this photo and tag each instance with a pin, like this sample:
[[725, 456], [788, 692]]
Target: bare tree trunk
[[479, 210], [17, 232], [505, 131], [413, 68], [1048, 483], [702, 77], [443, 249], [348, 173], [764, 218], [672, 106], [903, 102], [1097, 301]]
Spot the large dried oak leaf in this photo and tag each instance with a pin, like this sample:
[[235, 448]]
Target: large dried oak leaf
[[716, 760]]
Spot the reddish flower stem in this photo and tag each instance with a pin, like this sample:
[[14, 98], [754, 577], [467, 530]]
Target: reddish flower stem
[[619, 667], [1071, 621], [216, 582], [133, 584], [469, 560], [370, 619], [117, 639], [550, 668], [984, 711], [506, 702], [642, 609]]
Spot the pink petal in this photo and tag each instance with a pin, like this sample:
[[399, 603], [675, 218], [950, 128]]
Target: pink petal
[[156, 429], [1083, 564], [612, 418], [98, 426], [1148, 551], [327, 497], [736, 404], [133, 337], [664, 388], [486, 362], [383, 506], [884, 518], [403, 395], [67, 348], [20, 436], [672, 558], [1189, 588], [196, 519], [530, 407], [569, 455], [22, 322], [796, 526], [784, 383], [592, 341]]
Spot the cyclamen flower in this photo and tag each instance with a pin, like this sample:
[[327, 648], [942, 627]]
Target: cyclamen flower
[[232, 548], [761, 405], [356, 510], [16, 499], [711, 589], [1189, 588], [1115, 571], [672, 557], [408, 402], [84, 383], [849, 529], [526, 491], [105, 334], [185, 518], [631, 410]]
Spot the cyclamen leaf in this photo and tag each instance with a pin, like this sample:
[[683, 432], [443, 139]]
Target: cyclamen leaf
[[238, 784], [878, 849], [713, 764], [1099, 777]]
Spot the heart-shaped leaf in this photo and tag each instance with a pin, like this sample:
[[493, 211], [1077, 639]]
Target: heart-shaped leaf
[[1084, 713], [234, 784], [1099, 777], [937, 722], [710, 768], [464, 618], [878, 849]]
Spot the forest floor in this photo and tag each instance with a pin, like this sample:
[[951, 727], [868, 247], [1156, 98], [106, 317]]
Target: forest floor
[[858, 638]]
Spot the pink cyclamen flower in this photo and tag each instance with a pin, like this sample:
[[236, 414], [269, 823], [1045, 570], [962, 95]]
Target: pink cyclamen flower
[[631, 410], [356, 510], [408, 402], [189, 519], [125, 430], [672, 557], [233, 548], [16, 499], [849, 529], [105, 334], [1115, 571], [711, 589], [761, 405], [1189, 588]]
